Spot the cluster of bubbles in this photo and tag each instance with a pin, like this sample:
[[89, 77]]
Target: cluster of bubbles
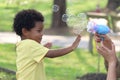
[[77, 22]]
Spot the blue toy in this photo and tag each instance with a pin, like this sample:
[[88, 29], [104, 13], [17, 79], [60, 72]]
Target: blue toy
[[101, 29]]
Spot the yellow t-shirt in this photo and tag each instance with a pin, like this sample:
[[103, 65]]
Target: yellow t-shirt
[[29, 60]]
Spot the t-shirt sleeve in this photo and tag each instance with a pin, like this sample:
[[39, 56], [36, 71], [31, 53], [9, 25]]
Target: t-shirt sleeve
[[38, 51]]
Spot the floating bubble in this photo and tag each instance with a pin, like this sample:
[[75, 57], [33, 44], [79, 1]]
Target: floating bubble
[[77, 30], [82, 16], [65, 17], [55, 8], [71, 20], [83, 23], [78, 23], [69, 11]]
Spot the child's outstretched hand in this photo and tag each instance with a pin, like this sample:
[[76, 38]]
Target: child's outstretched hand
[[48, 45], [76, 42]]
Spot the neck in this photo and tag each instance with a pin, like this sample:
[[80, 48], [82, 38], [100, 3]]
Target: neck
[[23, 38]]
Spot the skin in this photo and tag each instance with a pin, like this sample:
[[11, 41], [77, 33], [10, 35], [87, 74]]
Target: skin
[[36, 34], [110, 56], [107, 41], [48, 45], [107, 50]]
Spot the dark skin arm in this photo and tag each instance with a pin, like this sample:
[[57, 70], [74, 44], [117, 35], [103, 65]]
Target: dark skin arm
[[60, 52], [48, 45]]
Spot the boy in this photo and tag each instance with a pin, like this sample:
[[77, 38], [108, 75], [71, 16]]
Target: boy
[[28, 24]]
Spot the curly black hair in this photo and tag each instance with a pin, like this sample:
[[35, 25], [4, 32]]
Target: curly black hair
[[26, 19]]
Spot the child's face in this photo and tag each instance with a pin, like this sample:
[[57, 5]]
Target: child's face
[[36, 32]]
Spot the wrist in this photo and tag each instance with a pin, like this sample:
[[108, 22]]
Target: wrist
[[72, 48], [114, 63]]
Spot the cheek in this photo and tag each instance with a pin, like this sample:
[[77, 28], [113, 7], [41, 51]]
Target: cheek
[[39, 35]]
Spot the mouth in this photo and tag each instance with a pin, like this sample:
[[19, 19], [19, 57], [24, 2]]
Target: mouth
[[40, 39]]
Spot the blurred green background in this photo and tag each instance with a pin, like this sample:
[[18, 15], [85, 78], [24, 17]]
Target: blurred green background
[[8, 9]]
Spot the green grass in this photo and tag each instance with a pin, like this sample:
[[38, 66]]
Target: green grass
[[7, 56], [8, 11], [68, 67], [6, 76]]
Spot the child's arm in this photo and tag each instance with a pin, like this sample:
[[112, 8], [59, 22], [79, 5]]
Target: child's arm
[[63, 51], [110, 56], [48, 45]]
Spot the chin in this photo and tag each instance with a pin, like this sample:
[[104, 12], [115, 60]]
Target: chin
[[39, 41]]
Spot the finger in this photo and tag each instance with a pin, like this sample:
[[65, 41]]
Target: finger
[[77, 39], [79, 36], [103, 46], [113, 47], [96, 34], [97, 39], [100, 50], [105, 37]]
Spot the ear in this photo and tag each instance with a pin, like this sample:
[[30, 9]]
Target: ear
[[25, 31]]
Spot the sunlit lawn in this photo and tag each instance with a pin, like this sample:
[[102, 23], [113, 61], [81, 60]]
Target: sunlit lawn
[[68, 67]]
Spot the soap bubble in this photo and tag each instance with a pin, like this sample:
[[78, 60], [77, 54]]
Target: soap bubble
[[55, 8], [82, 16], [65, 17], [78, 23]]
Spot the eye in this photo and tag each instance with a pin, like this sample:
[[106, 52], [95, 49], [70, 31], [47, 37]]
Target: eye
[[38, 30]]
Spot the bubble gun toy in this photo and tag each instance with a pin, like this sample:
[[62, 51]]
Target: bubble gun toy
[[101, 29]]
